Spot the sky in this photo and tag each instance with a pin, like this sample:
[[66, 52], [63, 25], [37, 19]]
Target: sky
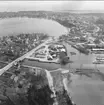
[[50, 5]]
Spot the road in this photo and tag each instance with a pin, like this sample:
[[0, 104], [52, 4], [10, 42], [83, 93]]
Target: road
[[22, 57], [73, 66]]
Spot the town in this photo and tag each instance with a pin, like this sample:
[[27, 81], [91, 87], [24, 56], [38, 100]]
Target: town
[[37, 69]]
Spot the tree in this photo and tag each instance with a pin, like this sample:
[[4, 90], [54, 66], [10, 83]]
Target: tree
[[63, 58], [39, 93]]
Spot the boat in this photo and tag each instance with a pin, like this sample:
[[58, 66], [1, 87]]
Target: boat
[[98, 62], [97, 51], [101, 58], [72, 53]]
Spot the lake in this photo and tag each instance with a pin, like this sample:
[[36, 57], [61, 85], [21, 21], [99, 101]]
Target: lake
[[14, 26]]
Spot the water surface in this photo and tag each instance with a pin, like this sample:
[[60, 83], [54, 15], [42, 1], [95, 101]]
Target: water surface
[[14, 26], [87, 91]]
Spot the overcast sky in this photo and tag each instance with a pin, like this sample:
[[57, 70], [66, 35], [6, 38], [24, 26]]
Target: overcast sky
[[50, 5]]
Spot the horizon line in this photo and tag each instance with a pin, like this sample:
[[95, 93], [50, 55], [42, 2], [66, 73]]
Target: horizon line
[[100, 11]]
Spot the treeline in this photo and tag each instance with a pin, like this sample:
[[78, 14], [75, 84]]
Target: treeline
[[100, 21], [20, 14], [65, 23], [32, 14]]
